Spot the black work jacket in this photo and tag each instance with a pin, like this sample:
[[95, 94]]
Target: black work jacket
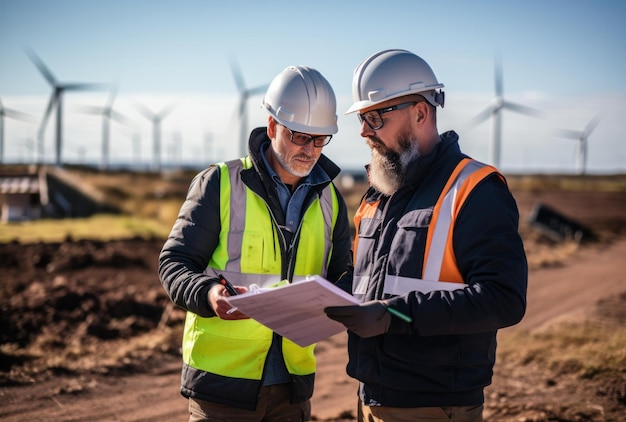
[[445, 357]]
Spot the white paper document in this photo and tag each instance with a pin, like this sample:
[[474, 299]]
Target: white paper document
[[296, 311]]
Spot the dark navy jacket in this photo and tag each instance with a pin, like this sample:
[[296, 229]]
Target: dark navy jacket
[[445, 357]]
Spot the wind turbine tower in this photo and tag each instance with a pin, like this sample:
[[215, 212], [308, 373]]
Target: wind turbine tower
[[156, 119], [495, 112], [581, 137], [244, 95], [56, 99], [108, 114]]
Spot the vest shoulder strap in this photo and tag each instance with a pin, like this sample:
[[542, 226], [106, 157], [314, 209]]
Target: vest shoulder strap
[[439, 249]]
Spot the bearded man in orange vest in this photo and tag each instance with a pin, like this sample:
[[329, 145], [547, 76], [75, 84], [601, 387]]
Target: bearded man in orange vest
[[439, 262]]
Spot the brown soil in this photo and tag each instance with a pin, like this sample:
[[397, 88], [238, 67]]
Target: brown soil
[[87, 332]]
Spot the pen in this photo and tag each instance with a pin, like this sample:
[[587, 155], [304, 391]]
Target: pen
[[253, 288], [229, 287], [403, 317]]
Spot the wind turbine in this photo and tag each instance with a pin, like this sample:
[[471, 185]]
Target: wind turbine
[[156, 119], [108, 114], [14, 114], [244, 95], [56, 98], [495, 112], [581, 137]]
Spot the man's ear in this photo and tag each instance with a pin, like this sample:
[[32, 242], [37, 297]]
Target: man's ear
[[422, 111], [271, 127]]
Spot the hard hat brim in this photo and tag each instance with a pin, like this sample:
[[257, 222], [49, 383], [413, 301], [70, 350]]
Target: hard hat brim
[[360, 105]]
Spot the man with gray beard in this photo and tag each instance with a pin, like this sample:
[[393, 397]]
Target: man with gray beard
[[439, 262], [267, 219]]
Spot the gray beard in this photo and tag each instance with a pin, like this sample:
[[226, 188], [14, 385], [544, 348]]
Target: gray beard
[[289, 168], [387, 169]]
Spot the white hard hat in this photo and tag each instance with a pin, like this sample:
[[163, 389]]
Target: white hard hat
[[390, 74], [301, 99]]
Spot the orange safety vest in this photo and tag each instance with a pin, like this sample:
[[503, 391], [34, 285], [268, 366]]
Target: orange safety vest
[[439, 261]]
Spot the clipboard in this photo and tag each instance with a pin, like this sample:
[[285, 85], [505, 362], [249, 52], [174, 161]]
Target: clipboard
[[296, 310]]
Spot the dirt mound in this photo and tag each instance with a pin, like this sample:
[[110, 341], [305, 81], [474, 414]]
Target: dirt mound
[[65, 300]]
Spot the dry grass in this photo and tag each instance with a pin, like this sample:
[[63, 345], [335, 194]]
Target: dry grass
[[587, 349], [547, 182], [101, 227]]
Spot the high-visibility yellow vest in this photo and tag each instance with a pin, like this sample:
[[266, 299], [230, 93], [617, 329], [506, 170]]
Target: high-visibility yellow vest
[[439, 260], [249, 251]]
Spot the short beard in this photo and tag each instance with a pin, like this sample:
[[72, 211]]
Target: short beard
[[388, 168], [290, 169]]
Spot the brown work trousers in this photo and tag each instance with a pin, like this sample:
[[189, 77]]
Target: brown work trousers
[[418, 414], [273, 406]]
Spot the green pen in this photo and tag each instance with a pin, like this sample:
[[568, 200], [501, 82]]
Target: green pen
[[403, 317]]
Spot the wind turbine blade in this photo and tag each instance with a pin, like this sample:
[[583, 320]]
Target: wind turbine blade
[[167, 110], [111, 98], [236, 71], [591, 126], [43, 69], [518, 108], [242, 104], [257, 90], [147, 113], [91, 109], [498, 76], [14, 114], [119, 117], [83, 86], [106, 110], [482, 116], [566, 133]]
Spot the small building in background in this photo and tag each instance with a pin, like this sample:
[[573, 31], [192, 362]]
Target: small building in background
[[45, 192], [20, 197]]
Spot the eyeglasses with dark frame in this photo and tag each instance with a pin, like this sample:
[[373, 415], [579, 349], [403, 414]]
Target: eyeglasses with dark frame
[[302, 139], [374, 119]]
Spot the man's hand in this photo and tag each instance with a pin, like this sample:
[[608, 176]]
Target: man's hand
[[365, 320], [217, 300]]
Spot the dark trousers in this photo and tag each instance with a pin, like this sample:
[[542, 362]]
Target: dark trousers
[[273, 406]]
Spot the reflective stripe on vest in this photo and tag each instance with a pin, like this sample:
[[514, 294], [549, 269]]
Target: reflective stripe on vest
[[440, 270], [445, 212], [238, 348]]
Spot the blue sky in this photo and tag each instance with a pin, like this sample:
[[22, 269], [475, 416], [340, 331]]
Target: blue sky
[[566, 58]]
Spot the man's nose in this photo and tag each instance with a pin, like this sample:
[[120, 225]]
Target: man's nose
[[366, 130]]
